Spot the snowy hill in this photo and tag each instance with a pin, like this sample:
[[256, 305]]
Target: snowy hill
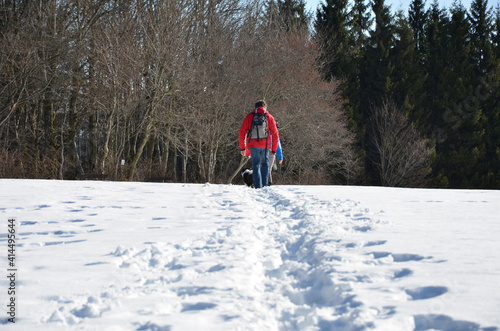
[[153, 256]]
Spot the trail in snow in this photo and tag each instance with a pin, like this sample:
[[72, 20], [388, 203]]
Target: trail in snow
[[287, 260], [233, 258]]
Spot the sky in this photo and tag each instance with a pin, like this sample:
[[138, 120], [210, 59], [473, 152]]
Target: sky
[[405, 4]]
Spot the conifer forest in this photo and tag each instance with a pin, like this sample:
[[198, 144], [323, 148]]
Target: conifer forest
[[140, 89]]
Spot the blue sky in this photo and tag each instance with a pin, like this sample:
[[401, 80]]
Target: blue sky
[[405, 4]]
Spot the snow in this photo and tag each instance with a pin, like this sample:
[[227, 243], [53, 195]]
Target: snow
[[94, 255]]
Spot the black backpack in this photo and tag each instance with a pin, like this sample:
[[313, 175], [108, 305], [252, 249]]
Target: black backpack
[[259, 129]]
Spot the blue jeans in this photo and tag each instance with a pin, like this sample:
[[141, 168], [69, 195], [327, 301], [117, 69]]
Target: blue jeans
[[260, 166]]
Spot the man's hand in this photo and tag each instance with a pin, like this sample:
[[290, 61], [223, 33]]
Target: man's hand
[[243, 153]]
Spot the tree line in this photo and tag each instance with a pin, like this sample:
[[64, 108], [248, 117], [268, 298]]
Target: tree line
[[422, 89], [135, 89]]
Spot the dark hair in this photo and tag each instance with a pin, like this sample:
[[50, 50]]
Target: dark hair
[[260, 103]]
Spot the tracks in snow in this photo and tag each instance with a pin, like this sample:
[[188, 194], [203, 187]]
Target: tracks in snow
[[308, 234], [276, 259]]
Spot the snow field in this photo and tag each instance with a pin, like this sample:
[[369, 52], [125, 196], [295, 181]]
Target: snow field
[[142, 256]]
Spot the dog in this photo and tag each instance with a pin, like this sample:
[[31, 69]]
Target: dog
[[247, 175]]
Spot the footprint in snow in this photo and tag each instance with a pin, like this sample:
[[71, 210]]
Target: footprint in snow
[[216, 268], [443, 322], [380, 255], [29, 223], [375, 243], [351, 245], [427, 292], [399, 257], [402, 273], [408, 257], [65, 234], [95, 263], [152, 327], [56, 243], [194, 290], [197, 306], [365, 228]]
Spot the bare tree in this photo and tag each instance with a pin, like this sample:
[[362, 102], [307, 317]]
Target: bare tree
[[402, 156], [313, 128], [162, 85]]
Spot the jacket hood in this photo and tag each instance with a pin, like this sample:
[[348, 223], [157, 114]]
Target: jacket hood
[[260, 110]]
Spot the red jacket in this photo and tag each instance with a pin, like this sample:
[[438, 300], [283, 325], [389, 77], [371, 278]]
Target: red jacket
[[272, 138]]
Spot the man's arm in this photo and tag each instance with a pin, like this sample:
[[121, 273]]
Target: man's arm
[[243, 131]]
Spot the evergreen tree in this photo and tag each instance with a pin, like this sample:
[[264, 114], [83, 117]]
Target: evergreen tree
[[376, 83], [332, 34], [436, 36], [417, 17], [485, 95], [408, 76], [459, 156], [359, 25], [494, 85], [481, 30], [293, 15], [341, 35], [377, 68], [493, 131], [441, 69], [435, 58], [496, 33], [288, 15]]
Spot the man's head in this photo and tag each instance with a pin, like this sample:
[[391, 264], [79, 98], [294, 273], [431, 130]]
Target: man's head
[[261, 103]]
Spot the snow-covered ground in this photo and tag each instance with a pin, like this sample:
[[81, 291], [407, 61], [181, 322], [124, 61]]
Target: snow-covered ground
[[154, 256]]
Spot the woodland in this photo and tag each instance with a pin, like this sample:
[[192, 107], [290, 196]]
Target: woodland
[[133, 90]]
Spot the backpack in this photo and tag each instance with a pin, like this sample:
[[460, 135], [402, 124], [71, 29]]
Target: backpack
[[259, 129]]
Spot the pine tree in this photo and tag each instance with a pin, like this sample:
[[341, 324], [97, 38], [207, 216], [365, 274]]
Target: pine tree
[[434, 62], [418, 20], [417, 17], [359, 25], [494, 84], [376, 83], [341, 35], [408, 76], [377, 67], [293, 15], [442, 69], [481, 31], [496, 33], [460, 155], [332, 35], [436, 36], [485, 97], [288, 15]]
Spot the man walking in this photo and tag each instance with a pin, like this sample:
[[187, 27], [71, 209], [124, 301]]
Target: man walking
[[259, 133]]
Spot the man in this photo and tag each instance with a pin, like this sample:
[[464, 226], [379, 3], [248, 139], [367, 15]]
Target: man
[[259, 146]]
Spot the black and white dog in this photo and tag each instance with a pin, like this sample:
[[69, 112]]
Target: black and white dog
[[247, 175]]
